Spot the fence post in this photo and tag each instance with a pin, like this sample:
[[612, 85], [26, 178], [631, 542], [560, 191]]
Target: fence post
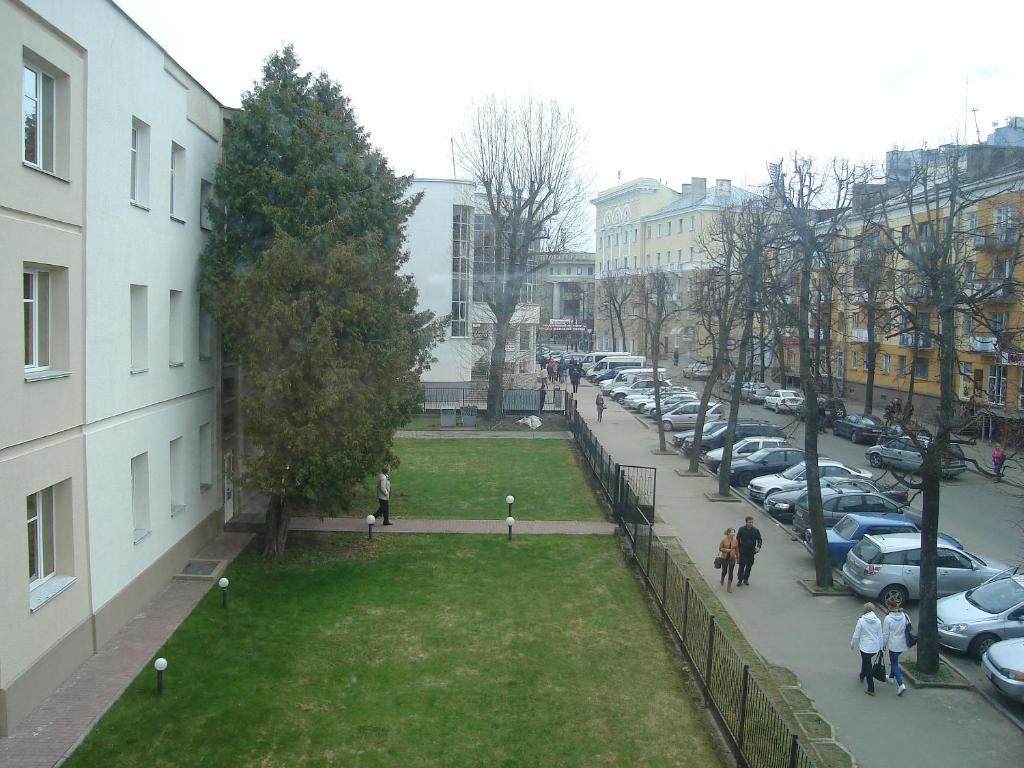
[[707, 666], [650, 546], [793, 750], [686, 606], [664, 577], [743, 705]]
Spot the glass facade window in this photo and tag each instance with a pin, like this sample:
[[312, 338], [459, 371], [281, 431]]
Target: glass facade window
[[37, 114], [461, 276], [41, 538]]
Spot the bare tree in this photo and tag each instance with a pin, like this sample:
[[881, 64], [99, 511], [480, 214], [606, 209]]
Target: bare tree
[[616, 292], [654, 294], [525, 159]]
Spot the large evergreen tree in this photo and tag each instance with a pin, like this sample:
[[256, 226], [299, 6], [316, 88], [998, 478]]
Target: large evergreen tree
[[302, 280]]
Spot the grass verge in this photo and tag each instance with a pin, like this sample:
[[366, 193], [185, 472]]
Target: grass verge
[[414, 651]]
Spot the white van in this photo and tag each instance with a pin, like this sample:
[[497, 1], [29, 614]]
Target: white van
[[591, 359], [610, 363], [626, 376]]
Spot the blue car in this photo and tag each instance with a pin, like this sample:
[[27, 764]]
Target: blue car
[[767, 461], [852, 528]]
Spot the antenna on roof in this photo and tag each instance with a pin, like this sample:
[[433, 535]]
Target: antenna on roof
[[977, 131], [454, 174], [619, 176]]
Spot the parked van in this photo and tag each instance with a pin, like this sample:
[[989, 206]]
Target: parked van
[[591, 359], [626, 376], [611, 363]]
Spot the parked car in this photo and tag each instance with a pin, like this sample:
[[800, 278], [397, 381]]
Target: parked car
[[685, 414], [743, 429], [860, 429], [700, 372], [636, 396], [888, 568], [836, 503], [780, 400], [754, 392], [903, 455], [832, 407], [850, 529], [639, 386], [709, 426], [767, 461], [1004, 666], [694, 367], [972, 621], [796, 477], [896, 431], [669, 395], [669, 404], [713, 459], [782, 505]]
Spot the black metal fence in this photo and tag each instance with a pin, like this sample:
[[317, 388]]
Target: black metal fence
[[515, 401], [759, 735]]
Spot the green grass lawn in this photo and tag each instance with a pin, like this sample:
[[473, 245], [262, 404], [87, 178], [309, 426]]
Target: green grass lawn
[[447, 478], [414, 651], [550, 422]]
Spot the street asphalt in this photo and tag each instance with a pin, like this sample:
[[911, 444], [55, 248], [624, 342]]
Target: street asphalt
[[811, 635]]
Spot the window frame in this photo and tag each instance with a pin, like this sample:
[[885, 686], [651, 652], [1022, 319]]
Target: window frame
[[33, 363], [40, 536], [40, 99]]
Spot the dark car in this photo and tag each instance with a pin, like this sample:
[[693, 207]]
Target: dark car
[[744, 429], [837, 503], [782, 505], [852, 528], [768, 461], [832, 407], [860, 429], [709, 426], [895, 432]]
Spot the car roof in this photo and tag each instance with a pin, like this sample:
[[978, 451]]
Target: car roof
[[867, 518], [833, 491], [895, 542]]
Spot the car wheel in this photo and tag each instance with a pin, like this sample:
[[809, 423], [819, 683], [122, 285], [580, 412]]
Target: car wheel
[[980, 644], [875, 461], [743, 479], [894, 594], [667, 425], [854, 438]]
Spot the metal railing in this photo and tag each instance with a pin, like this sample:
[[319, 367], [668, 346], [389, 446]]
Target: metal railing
[[758, 734], [516, 401]]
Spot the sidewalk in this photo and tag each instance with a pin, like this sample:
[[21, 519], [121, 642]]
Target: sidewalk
[[402, 525], [56, 726], [811, 636]]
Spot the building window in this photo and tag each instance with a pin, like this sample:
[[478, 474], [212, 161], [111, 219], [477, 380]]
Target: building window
[[691, 254], [205, 200], [139, 328], [648, 231], [36, 306], [39, 117], [140, 496], [590, 270], [42, 558], [901, 365], [177, 181], [886, 362], [176, 459], [462, 241], [205, 457], [997, 384], [853, 359], [634, 234], [921, 368], [175, 329], [205, 344], [139, 149], [680, 226], [579, 271], [693, 223]]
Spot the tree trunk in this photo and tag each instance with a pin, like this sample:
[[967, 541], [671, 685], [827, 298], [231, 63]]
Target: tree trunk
[[657, 395], [870, 360], [276, 533], [496, 375], [734, 406]]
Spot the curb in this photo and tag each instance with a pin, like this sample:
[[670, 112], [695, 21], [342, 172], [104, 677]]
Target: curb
[[814, 591], [918, 683]]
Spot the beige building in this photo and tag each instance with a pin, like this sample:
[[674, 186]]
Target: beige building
[[644, 225]]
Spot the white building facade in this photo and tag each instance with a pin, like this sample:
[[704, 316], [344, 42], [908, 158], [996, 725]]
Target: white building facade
[[113, 444]]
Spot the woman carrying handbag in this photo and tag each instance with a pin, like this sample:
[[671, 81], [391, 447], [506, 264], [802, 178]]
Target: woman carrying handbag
[[867, 638], [728, 553]]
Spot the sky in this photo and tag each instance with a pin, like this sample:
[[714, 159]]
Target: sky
[[667, 90]]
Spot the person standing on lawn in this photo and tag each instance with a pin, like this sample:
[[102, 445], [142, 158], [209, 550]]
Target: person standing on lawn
[[384, 495], [600, 405], [729, 552], [867, 638], [894, 638], [750, 541]]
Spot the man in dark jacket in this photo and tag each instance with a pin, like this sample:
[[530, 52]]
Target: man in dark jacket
[[574, 377], [749, 540]]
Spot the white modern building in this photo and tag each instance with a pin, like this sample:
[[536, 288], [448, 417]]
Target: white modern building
[[108, 431], [450, 244]]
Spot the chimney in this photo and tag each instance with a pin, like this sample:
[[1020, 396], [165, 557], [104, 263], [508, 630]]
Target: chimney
[[723, 187], [686, 189], [699, 187]]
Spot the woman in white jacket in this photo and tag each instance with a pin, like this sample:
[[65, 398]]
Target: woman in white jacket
[[894, 637], [867, 638]]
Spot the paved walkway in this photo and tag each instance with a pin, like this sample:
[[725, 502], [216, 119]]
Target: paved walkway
[[474, 433], [57, 725], [811, 636], [402, 525]]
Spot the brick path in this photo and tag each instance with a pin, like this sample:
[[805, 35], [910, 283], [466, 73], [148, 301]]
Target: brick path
[[55, 727], [468, 433]]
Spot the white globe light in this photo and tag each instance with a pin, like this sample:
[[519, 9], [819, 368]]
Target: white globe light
[[370, 519], [510, 499], [160, 664], [510, 521], [223, 583]]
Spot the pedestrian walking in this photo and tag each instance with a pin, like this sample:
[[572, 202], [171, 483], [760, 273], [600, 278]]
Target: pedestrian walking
[[894, 638], [728, 551], [600, 405], [542, 394], [563, 366], [675, 357], [574, 377], [998, 457], [749, 540], [867, 639], [384, 495]]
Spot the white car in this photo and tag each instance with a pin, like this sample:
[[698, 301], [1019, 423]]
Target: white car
[[795, 478], [646, 400], [684, 416], [638, 387], [669, 403], [780, 400]]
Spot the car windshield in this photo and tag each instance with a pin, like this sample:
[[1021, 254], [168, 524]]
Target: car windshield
[[846, 527], [764, 453], [996, 596], [787, 393], [867, 551], [794, 472]]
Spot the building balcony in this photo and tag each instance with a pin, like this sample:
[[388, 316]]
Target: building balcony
[[1000, 238], [917, 293], [924, 340], [984, 344], [997, 289], [859, 334]]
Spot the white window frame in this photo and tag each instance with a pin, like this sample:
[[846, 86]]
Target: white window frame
[[46, 156], [886, 362], [134, 150], [33, 355], [177, 182], [37, 521], [141, 524], [996, 384]]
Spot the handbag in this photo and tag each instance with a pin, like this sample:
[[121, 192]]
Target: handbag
[[908, 634], [878, 668], [718, 562]]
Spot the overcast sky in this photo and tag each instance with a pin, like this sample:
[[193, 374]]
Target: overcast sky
[[663, 89]]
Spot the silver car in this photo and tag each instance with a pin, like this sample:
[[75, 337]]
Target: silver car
[[1004, 667], [889, 568], [796, 477], [972, 621], [684, 416], [903, 455]]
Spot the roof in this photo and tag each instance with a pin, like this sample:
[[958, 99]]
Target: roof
[[710, 199]]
